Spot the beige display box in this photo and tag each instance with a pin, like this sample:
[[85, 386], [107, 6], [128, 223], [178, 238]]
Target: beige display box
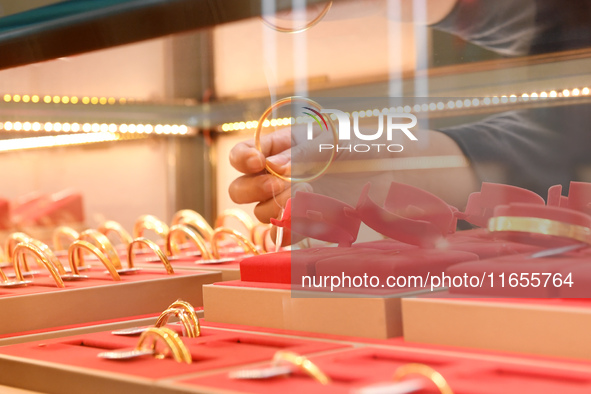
[[337, 314], [64, 307], [543, 327]]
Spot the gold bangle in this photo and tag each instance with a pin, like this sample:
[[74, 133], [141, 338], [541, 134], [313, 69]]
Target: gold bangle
[[61, 232], [179, 351], [50, 255], [11, 242], [3, 277], [278, 104], [102, 242], [187, 321], [188, 308], [308, 25], [426, 371], [152, 245], [149, 222], [111, 226], [302, 363], [238, 214], [242, 240], [195, 220], [74, 257], [172, 246], [21, 249], [540, 226]]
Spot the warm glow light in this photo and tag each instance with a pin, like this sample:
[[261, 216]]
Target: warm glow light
[[48, 127], [18, 126], [159, 129], [16, 98], [149, 128], [123, 128], [51, 141], [566, 93], [585, 91], [56, 99], [112, 127], [35, 99], [27, 126], [85, 100], [576, 92], [111, 100], [66, 127], [86, 127], [103, 101], [96, 127], [104, 127], [94, 100], [57, 127], [7, 97], [74, 100], [75, 127], [47, 99], [26, 98], [8, 126], [36, 126]]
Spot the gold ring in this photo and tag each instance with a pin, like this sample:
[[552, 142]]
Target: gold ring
[[302, 363], [239, 214], [63, 232], [179, 351], [152, 245], [308, 25], [195, 220], [111, 226], [11, 242], [426, 371], [102, 242], [242, 240], [278, 104], [50, 256], [187, 321], [172, 246], [149, 222], [21, 249], [540, 226], [74, 258], [3, 277]]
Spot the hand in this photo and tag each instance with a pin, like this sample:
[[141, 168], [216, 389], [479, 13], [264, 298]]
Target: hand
[[256, 185]]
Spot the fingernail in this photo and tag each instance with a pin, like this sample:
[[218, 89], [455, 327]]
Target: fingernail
[[255, 163], [278, 160]]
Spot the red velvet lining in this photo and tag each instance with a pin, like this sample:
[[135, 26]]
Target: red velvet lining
[[360, 367], [214, 349]]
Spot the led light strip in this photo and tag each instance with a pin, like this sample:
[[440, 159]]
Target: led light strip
[[95, 128], [17, 98], [423, 108], [55, 140]]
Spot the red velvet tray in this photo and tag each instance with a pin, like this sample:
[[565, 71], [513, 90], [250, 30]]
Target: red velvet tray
[[62, 358], [353, 369]]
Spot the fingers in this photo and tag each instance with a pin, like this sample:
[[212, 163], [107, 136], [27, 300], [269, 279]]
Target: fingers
[[254, 188], [246, 158], [271, 208]]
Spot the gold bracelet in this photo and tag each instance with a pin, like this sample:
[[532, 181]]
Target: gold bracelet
[[75, 255], [308, 25], [21, 249], [259, 129], [242, 240], [172, 246], [179, 351], [195, 220], [111, 226], [259, 236], [50, 256], [540, 226], [238, 214], [426, 371], [186, 320], [302, 363], [149, 222], [152, 245], [99, 240], [61, 232], [11, 242]]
